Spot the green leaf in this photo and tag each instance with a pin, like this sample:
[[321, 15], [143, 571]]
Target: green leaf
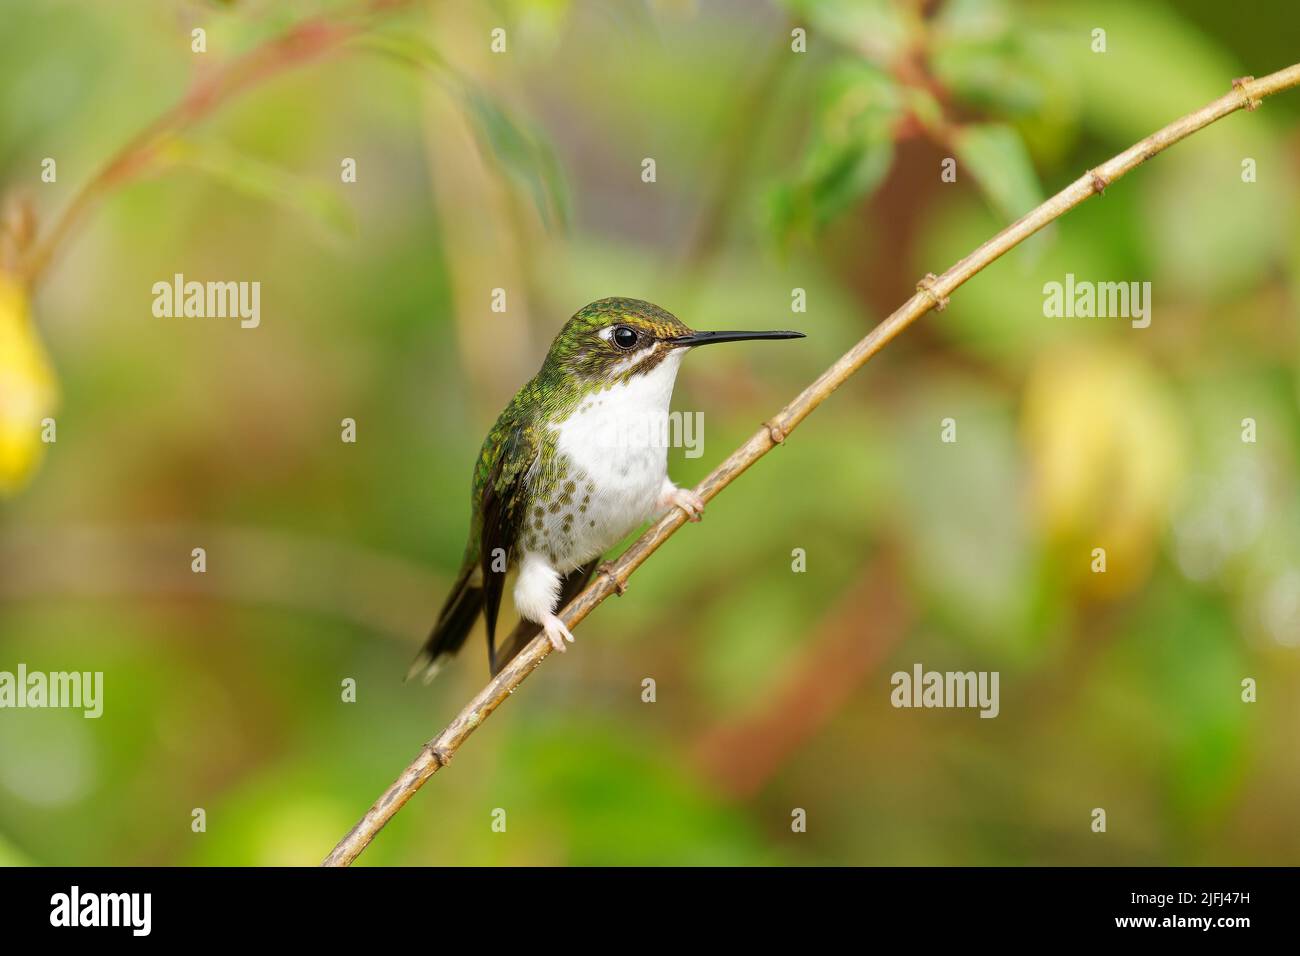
[[520, 150], [521, 153], [996, 156], [985, 54], [995, 59], [260, 180], [851, 150]]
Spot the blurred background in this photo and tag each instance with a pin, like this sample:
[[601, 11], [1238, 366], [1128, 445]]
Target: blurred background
[[775, 170]]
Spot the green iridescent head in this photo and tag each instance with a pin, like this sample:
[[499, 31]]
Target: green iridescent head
[[614, 339]]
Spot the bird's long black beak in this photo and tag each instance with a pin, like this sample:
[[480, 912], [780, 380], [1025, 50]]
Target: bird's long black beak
[[708, 338]]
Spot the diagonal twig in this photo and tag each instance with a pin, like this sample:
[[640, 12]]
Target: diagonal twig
[[932, 293]]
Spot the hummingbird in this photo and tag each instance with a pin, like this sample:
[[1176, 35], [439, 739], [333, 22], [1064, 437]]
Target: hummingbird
[[571, 466]]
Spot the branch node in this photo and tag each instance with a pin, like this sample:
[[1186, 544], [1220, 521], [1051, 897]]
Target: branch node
[[1099, 182], [775, 431], [926, 285], [1242, 83], [607, 569], [440, 757]]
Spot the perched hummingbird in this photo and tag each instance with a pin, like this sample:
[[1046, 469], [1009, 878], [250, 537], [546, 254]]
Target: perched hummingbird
[[567, 471]]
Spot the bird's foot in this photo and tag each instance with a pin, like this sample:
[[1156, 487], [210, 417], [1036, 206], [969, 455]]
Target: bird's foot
[[556, 632], [685, 499]]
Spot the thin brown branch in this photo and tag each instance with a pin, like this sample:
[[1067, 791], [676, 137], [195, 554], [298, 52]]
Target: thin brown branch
[[932, 292]]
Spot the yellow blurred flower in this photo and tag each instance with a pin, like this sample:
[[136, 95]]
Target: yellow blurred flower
[[28, 392], [1106, 448]]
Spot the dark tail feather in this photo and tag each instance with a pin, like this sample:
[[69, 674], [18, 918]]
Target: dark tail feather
[[525, 631], [454, 622]]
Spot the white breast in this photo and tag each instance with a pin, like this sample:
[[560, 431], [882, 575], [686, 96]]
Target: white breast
[[618, 458]]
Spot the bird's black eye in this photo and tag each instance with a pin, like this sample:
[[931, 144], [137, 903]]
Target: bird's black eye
[[624, 337]]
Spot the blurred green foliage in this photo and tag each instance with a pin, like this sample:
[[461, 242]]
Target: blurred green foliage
[[776, 170]]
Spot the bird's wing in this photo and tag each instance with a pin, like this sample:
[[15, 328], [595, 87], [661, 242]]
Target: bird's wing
[[503, 506], [506, 465]]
